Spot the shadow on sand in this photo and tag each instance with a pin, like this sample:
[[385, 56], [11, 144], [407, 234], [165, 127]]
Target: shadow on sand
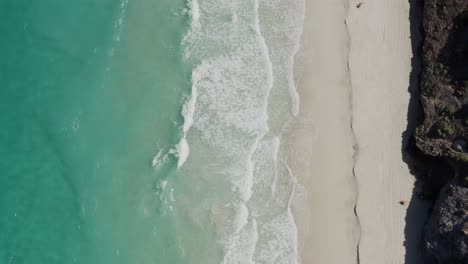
[[417, 212]]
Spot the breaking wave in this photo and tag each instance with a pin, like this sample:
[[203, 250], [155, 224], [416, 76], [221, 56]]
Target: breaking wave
[[242, 52]]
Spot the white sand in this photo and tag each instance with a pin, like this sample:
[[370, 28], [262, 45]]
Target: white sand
[[380, 65], [367, 106], [322, 141]]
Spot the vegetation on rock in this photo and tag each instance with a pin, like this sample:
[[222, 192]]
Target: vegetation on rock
[[443, 135]]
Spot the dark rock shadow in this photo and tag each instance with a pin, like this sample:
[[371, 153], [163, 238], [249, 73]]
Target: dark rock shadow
[[417, 212]]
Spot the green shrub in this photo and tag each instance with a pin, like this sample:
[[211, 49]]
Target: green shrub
[[445, 130]]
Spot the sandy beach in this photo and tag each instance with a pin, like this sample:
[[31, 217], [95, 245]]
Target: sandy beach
[[353, 75], [322, 139]]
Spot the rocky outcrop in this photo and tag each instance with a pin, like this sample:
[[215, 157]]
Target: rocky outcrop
[[446, 236], [443, 135], [444, 82]]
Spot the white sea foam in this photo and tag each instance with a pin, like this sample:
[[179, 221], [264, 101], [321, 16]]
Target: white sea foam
[[238, 62], [188, 111], [275, 144], [120, 20], [241, 247], [194, 12], [163, 185], [280, 245], [156, 160], [270, 205], [118, 27], [182, 151], [282, 28], [162, 157]]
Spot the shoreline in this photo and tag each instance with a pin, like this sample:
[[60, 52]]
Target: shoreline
[[353, 77], [322, 140]]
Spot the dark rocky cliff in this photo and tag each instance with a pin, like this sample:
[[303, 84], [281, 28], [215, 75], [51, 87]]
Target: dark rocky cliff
[[444, 82], [447, 231], [443, 135]]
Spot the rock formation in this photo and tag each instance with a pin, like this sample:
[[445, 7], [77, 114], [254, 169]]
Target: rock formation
[[447, 230], [443, 135], [444, 82]]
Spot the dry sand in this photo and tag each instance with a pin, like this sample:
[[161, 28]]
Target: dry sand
[[322, 140], [353, 117], [380, 66]]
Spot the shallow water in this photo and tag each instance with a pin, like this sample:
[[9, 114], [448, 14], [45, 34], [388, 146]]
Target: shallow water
[[89, 91], [146, 131]]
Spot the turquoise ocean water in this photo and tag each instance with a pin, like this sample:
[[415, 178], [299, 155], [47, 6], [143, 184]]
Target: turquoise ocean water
[[146, 131]]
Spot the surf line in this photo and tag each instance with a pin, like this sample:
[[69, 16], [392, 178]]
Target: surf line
[[188, 110]]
